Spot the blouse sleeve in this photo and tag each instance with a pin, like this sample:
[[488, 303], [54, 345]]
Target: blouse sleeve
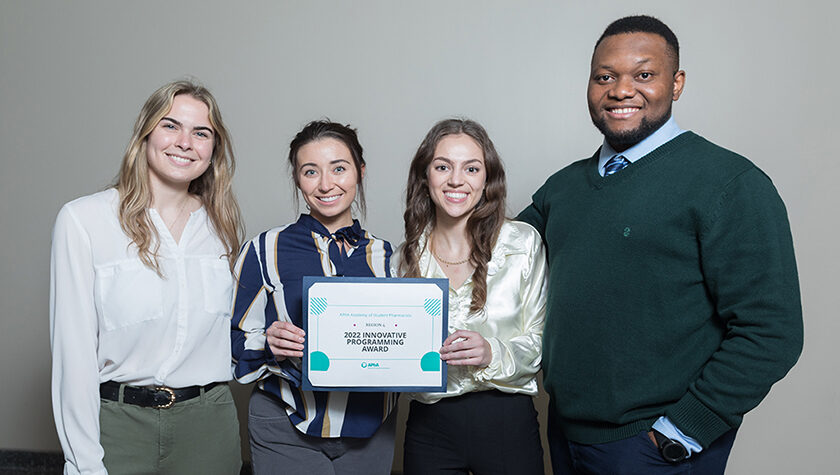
[[253, 311], [247, 333], [74, 339], [517, 359]]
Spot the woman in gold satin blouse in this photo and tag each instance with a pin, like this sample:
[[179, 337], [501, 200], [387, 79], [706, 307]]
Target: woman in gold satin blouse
[[455, 228]]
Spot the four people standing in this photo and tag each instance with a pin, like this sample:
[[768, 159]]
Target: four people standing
[[672, 302]]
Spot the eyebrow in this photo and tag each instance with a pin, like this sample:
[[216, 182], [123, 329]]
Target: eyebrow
[[179, 124], [450, 161], [610, 67], [332, 162]]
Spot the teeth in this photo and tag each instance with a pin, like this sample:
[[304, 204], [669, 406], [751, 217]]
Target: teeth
[[624, 110], [178, 159], [455, 195], [329, 199]]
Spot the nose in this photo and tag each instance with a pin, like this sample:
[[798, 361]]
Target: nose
[[623, 88], [456, 178], [325, 183], [184, 139]]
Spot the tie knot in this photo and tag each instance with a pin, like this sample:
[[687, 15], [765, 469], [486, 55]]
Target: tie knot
[[614, 164]]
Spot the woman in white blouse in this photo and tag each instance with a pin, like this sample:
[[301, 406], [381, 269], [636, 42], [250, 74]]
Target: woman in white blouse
[[140, 297], [455, 228]]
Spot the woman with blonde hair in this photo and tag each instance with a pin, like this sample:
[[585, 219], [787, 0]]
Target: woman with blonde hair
[[140, 295], [455, 228]]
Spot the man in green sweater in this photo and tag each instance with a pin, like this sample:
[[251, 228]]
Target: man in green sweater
[[673, 299]]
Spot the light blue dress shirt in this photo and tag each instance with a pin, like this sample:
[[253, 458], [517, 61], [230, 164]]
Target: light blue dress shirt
[[653, 141]]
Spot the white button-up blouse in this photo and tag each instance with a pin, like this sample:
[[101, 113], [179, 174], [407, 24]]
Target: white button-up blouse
[[113, 318], [511, 320]]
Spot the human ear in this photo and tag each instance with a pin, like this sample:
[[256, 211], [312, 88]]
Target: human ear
[[679, 83]]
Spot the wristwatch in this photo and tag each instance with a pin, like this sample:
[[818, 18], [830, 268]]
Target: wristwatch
[[671, 450]]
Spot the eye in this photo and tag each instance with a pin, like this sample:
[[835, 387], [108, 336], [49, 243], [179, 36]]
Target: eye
[[203, 135], [441, 168], [340, 169], [646, 76], [473, 169], [308, 172], [603, 78], [167, 125]]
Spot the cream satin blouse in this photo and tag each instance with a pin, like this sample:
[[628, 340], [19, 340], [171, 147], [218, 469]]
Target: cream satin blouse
[[511, 320]]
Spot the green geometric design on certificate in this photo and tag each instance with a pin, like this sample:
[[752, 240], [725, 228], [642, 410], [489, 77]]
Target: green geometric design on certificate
[[432, 307], [319, 361], [317, 305], [430, 361]]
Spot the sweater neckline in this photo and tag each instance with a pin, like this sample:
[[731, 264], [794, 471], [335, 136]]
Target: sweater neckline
[[598, 181]]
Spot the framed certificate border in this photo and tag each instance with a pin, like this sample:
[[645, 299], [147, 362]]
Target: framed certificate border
[[374, 334]]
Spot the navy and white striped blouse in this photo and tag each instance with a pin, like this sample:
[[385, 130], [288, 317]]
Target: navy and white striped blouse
[[269, 271]]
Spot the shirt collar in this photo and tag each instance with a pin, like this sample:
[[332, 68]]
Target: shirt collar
[[653, 141], [351, 234], [508, 243]]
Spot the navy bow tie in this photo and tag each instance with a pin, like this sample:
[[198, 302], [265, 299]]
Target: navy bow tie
[[350, 234]]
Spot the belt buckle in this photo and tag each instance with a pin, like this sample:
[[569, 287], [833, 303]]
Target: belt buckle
[[171, 401]]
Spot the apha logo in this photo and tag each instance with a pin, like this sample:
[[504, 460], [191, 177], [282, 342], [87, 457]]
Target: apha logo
[[365, 364]]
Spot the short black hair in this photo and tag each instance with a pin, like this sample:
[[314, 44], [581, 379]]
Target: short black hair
[[644, 24]]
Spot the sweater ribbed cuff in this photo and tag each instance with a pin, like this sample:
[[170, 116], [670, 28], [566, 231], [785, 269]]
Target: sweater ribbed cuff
[[696, 420]]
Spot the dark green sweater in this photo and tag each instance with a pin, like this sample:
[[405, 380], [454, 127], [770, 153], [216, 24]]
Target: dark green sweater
[[672, 290]]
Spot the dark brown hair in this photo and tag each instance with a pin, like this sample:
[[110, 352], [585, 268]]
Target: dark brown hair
[[486, 219], [324, 129]]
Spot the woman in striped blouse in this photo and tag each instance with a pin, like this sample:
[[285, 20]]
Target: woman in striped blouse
[[293, 430]]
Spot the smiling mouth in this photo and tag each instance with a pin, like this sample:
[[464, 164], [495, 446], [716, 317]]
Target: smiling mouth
[[455, 195], [328, 199], [623, 112], [179, 159]]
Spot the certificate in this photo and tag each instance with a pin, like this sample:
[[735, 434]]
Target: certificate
[[374, 334]]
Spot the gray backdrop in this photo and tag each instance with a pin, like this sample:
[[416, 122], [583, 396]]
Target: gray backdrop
[[761, 79]]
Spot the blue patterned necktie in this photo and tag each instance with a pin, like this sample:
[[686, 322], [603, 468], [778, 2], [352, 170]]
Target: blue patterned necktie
[[614, 164]]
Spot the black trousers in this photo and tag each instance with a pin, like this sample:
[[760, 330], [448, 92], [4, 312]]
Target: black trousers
[[487, 432]]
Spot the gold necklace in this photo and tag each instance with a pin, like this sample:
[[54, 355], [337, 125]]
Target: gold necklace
[[456, 263], [178, 216]]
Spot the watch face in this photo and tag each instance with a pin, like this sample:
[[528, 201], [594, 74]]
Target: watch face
[[673, 451]]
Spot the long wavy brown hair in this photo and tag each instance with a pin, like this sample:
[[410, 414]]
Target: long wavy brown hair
[[213, 187], [484, 222]]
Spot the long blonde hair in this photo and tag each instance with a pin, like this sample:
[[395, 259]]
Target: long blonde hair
[[213, 187]]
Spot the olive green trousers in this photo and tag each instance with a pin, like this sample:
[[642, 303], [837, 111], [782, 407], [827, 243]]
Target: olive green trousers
[[200, 435]]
